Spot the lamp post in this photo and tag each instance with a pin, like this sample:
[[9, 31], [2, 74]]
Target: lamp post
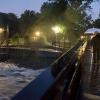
[[37, 34], [1, 31], [7, 32], [56, 30]]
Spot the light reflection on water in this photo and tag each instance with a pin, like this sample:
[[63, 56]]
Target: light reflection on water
[[13, 79]]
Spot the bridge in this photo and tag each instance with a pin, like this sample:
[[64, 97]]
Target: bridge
[[73, 76]]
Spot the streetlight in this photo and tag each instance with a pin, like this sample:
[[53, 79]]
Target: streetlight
[[82, 37], [1, 30], [7, 34], [37, 34], [7, 37], [1, 35], [56, 29]]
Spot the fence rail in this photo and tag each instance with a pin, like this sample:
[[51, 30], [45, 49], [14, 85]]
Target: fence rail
[[55, 81]]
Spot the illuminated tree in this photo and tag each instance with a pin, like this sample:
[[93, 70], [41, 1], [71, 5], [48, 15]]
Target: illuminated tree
[[69, 13]]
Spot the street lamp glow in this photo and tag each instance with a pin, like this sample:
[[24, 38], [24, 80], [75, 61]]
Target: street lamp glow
[[37, 33], [56, 29], [1, 30], [82, 37]]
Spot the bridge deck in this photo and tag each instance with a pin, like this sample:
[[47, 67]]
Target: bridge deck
[[91, 76]]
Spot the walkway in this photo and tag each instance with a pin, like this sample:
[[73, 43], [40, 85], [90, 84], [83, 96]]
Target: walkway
[[90, 76]]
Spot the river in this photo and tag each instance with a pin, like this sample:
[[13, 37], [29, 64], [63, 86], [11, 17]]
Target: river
[[13, 79]]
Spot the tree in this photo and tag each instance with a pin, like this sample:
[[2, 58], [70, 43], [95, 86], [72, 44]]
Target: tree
[[69, 13], [10, 23], [28, 20], [13, 24], [97, 23]]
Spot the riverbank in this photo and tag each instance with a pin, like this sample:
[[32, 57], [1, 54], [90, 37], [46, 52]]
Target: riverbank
[[35, 59]]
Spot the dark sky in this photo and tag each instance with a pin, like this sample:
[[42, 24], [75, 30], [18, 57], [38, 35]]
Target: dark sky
[[19, 6]]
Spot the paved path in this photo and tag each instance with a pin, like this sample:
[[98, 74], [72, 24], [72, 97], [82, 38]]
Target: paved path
[[91, 78]]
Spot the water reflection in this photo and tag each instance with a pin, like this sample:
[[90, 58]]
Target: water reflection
[[13, 79]]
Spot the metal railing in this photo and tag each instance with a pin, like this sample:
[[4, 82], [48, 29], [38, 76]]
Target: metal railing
[[56, 81]]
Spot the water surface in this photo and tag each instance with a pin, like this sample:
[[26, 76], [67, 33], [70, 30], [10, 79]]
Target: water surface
[[13, 79]]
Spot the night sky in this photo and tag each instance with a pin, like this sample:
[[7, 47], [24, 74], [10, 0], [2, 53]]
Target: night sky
[[19, 6]]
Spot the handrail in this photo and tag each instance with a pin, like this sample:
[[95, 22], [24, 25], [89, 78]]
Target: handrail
[[71, 92], [58, 65], [64, 77], [50, 83]]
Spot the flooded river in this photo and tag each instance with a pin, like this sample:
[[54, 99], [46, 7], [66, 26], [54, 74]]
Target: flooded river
[[13, 79]]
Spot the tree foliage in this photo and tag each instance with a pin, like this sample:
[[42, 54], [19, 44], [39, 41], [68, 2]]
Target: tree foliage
[[97, 23], [28, 20], [70, 13], [9, 20]]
